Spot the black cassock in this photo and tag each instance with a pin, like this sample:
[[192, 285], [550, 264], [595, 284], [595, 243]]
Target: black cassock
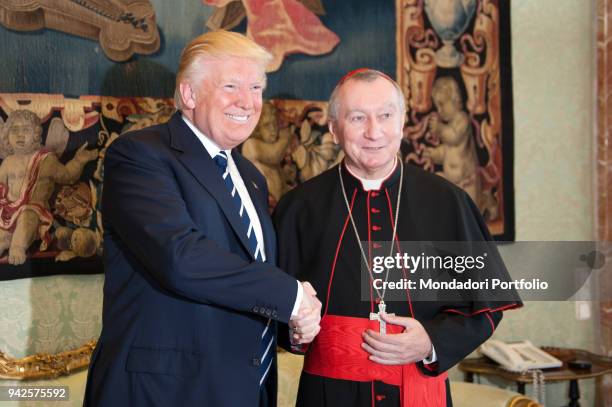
[[316, 242]]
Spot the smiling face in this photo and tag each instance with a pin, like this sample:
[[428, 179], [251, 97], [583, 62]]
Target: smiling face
[[225, 103], [369, 126]]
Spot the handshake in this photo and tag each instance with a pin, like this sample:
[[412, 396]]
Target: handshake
[[305, 325]]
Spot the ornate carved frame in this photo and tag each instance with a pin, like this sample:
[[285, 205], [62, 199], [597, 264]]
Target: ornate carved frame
[[46, 366]]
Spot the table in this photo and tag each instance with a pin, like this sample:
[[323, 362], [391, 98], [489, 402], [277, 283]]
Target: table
[[600, 365]]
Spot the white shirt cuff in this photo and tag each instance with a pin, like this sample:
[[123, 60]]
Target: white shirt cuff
[[298, 300], [432, 359]]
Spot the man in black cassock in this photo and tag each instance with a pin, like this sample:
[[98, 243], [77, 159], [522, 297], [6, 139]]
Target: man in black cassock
[[320, 225]]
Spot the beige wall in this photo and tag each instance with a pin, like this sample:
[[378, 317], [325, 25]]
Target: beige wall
[[553, 75]]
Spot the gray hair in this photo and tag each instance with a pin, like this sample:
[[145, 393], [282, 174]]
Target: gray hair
[[362, 75]]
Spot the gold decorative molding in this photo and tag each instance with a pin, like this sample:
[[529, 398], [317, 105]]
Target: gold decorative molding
[[45, 366], [522, 401]]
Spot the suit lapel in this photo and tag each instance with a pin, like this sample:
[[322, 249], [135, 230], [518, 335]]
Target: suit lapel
[[196, 159], [260, 201]]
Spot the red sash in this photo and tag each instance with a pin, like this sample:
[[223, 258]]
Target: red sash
[[337, 353]]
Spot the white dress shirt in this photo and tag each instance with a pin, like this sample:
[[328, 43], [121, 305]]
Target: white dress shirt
[[213, 149]]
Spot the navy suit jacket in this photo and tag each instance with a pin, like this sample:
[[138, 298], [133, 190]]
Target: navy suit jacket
[[184, 302]]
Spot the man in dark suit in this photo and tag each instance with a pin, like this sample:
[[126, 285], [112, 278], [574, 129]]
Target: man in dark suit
[[192, 294]]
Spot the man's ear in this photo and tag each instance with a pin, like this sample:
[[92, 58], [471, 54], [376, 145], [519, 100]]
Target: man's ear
[[333, 128], [188, 96]]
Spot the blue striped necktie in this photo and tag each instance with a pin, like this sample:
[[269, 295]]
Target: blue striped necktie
[[267, 336]]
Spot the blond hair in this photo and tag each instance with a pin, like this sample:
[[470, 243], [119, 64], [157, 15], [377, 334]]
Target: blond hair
[[214, 45]]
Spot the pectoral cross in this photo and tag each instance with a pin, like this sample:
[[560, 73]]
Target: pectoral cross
[[375, 316]]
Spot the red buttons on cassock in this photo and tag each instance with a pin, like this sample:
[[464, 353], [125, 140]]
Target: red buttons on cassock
[[377, 245], [374, 210], [375, 194], [380, 397], [376, 228]]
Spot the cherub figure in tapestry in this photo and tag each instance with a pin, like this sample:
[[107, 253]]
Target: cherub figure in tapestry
[[266, 148], [456, 153], [316, 151], [28, 176]]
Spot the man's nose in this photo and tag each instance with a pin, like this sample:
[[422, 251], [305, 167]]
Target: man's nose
[[245, 99], [373, 129]]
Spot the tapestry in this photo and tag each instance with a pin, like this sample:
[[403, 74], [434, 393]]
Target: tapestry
[[123, 27], [452, 61], [454, 66], [282, 27], [52, 149], [291, 144]]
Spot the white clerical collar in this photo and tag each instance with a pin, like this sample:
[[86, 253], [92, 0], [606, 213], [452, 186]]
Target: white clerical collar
[[210, 146], [372, 184]]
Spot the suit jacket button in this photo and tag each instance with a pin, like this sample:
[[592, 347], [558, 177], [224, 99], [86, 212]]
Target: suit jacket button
[[256, 361], [255, 309], [274, 314], [269, 312]]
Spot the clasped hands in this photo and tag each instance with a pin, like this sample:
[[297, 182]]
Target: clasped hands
[[410, 346], [305, 326]]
